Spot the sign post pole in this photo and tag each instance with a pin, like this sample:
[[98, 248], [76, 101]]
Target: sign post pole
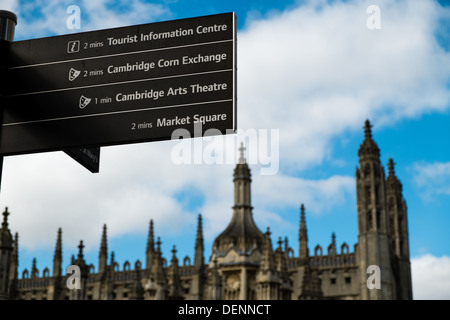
[[8, 21]]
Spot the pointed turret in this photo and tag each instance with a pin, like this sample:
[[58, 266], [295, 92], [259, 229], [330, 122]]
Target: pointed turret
[[13, 273], [150, 253], [158, 275], [199, 260], [268, 280], [267, 259], [103, 255], [392, 182], [373, 228], [303, 235], [34, 270], [57, 257], [6, 239], [242, 232], [84, 270], [368, 149], [198, 275], [175, 288], [398, 230], [332, 246]]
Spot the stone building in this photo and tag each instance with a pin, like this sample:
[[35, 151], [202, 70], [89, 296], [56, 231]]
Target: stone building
[[243, 263]]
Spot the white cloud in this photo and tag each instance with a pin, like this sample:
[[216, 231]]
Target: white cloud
[[431, 277], [95, 15], [10, 5], [432, 179], [313, 73]]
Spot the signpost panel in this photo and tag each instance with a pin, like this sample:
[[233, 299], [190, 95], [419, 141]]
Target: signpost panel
[[122, 85], [89, 158]]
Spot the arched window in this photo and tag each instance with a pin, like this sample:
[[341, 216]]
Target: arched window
[[126, 266], [25, 274], [46, 273], [186, 261]]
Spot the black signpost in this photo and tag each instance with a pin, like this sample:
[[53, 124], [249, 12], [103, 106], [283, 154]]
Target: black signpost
[[121, 85], [8, 21], [89, 158]]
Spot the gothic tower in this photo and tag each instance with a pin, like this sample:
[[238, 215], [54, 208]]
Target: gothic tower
[[6, 258], [54, 289], [198, 277], [238, 248], [396, 208], [373, 225]]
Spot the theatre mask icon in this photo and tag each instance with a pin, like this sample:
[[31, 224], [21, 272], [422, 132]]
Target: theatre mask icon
[[73, 74], [84, 101]]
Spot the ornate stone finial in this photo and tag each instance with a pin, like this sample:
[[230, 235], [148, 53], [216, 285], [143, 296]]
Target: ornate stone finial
[[158, 245], [80, 250], [367, 129], [199, 226], [241, 156], [302, 213], [280, 242], [391, 167], [174, 260], [368, 149], [5, 218], [268, 232], [34, 270]]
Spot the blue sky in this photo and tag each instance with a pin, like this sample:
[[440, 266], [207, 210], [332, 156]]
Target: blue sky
[[310, 69]]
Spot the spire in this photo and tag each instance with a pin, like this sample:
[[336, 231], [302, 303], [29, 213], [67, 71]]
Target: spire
[[157, 271], [241, 154], [199, 248], [13, 272], [16, 249], [392, 182], [34, 270], [5, 218], [175, 288], [368, 148], [267, 259], [242, 232], [6, 239], [103, 255], [150, 253], [332, 246], [112, 262], [368, 130], [303, 235], [57, 257], [174, 260], [80, 250], [391, 167]]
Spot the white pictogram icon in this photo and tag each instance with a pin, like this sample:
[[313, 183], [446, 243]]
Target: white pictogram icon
[[84, 101], [73, 74], [73, 46]]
